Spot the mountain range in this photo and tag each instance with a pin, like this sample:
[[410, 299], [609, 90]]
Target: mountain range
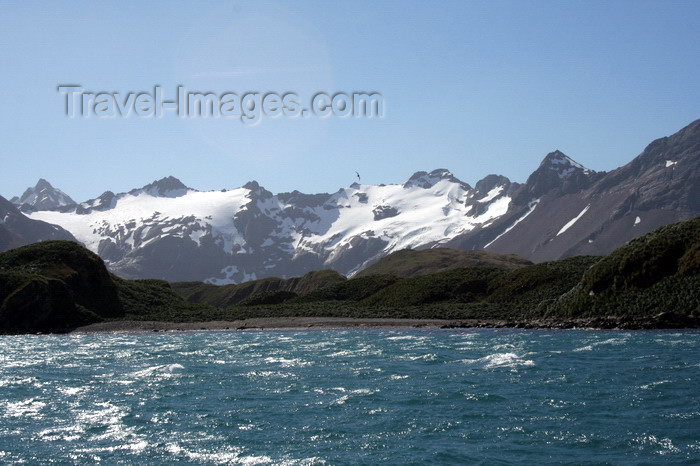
[[651, 282], [170, 231]]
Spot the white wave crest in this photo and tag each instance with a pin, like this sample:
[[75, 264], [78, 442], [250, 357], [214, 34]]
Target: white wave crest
[[505, 360], [160, 369], [610, 341]]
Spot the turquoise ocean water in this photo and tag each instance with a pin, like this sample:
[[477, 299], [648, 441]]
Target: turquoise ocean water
[[352, 397]]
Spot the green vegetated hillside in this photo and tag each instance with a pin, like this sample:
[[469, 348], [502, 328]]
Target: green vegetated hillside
[[528, 286], [659, 271], [59, 285], [477, 292], [410, 263], [653, 274], [263, 291]]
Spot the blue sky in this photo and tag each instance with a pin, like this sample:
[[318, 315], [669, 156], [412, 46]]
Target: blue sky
[[475, 87]]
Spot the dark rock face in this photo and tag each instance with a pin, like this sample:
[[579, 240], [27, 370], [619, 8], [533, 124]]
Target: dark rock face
[[660, 186], [490, 182], [557, 173], [17, 230], [384, 211], [172, 257], [362, 197]]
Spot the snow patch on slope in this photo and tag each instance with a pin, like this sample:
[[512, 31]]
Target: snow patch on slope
[[491, 195], [531, 208], [571, 222]]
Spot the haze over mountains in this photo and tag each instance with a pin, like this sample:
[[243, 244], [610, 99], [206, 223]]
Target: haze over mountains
[[170, 231]]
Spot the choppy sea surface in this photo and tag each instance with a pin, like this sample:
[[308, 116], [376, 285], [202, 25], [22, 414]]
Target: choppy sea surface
[[352, 397]]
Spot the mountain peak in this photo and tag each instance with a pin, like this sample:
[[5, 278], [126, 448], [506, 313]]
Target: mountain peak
[[257, 191], [443, 173], [43, 196], [491, 182], [42, 184], [556, 153], [562, 163], [252, 185], [165, 187], [559, 172], [427, 180]]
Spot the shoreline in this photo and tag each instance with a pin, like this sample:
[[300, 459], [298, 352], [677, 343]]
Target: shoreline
[[661, 321], [262, 323]]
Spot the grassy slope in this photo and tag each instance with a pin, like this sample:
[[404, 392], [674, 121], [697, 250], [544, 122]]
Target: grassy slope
[[468, 292], [352, 290], [411, 263], [230, 295], [56, 285], [82, 271], [155, 300], [658, 272]]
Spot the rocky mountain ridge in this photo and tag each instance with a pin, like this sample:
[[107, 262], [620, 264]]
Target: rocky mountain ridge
[[17, 230], [170, 231]]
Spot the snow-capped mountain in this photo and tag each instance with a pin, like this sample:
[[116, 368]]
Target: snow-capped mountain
[[167, 230], [43, 196]]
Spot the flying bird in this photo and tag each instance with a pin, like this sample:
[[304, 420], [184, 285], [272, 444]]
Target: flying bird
[[358, 176]]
